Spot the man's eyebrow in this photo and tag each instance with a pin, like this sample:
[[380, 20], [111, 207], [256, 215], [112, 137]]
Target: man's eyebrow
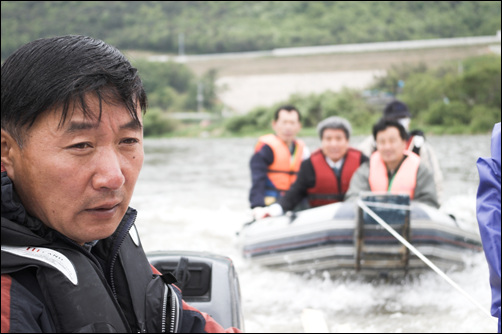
[[79, 126], [132, 125], [75, 126]]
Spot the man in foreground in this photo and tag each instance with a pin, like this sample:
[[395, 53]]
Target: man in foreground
[[72, 150]]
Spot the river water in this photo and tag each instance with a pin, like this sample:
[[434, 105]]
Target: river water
[[192, 195]]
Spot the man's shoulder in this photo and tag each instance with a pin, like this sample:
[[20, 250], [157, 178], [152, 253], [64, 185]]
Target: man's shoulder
[[364, 168], [422, 167], [263, 149], [23, 309], [267, 139], [354, 152], [264, 142], [22, 283], [424, 172], [307, 165]]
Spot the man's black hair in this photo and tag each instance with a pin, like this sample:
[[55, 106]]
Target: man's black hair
[[287, 108], [59, 72], [383, 124]]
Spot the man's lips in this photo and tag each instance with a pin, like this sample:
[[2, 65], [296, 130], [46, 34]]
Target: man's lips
[[104, 206], [334, 152]]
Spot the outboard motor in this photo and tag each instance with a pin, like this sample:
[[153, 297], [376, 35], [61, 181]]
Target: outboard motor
[[208, 282]]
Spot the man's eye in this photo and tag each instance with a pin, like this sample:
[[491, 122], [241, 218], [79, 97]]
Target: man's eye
[[130, 141], [80, 146]]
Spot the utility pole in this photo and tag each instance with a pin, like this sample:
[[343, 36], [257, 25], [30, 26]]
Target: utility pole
[[200, 96], [181, 47]]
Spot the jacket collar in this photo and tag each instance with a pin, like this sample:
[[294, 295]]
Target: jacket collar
[[14, 211]]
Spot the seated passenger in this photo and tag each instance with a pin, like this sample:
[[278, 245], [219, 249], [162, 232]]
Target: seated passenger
[[276, 159], [397, 110], [394, 169], [324, 178]]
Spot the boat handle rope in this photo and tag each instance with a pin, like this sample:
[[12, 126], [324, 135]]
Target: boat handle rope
[[421, 256]]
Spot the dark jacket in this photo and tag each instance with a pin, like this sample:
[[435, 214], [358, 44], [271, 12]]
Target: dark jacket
[[52, 284]]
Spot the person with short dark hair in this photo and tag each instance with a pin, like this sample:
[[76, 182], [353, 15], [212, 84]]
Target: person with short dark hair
[[324, 178], [276, 159], [72, 151], [415, 142], [394, 169]]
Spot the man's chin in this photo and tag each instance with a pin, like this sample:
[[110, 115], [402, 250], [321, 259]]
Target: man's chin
[[97, 235], [286, 136], [98, 230], [335, 157]]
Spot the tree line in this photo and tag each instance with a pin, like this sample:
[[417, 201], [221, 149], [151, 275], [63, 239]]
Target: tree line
[[236, 26], [455, 97]]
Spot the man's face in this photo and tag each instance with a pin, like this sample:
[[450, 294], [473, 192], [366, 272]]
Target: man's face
[[334, 144], [79, 178], [287, 125], [390, 145]]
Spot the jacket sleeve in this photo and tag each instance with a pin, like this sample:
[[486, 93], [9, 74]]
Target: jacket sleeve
[[428, 156], [298, 190], [425, 189], [359, 182], [488, 214], [194, 321], [261, 159], [22, 309]]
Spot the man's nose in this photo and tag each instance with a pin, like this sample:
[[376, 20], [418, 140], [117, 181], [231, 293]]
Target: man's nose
[[108, 173]]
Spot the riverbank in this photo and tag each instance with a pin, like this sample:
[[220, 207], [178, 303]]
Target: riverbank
[[244, 83], [217, 130]]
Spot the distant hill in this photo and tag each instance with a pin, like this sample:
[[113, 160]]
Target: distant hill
[[236, 26]]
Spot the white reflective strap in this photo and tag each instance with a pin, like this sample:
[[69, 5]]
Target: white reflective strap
[[46, 255]]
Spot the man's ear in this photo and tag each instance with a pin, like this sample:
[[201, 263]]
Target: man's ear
[[9, 148], [273, 124]]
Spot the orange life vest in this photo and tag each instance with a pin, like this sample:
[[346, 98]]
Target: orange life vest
[[327, 189], [284, 169], [405, 179]]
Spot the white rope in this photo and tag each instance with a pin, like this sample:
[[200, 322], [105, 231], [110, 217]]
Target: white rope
[[389, 205], [421, 256]]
